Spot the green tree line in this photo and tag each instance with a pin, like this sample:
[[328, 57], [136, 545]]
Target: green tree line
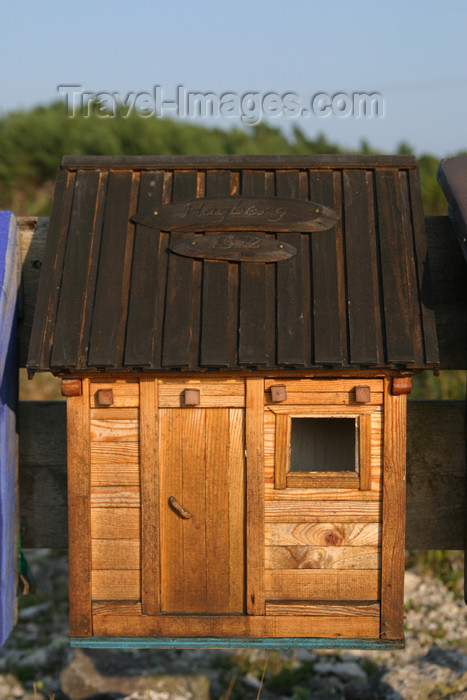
[[32, 143]]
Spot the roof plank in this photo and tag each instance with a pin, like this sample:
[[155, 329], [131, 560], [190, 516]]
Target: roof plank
[[143, 324], [103, 346], [176, 330], [399, 347], [81, 255], [360, 267], [326, 310], [252, 326], [290, 293], [431, 353], [215, 318], [49, 285]]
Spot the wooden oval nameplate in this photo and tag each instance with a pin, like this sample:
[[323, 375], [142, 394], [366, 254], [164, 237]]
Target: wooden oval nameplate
[[239, 214], [236, 247]]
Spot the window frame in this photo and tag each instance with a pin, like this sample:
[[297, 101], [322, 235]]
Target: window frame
[[284, 478]]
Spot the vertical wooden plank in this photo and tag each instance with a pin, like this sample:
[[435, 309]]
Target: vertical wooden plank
[[393, 529], [325, 278], [217, 510], [196, 291], [194, 500], [415, 303], [307, 286], [360, 267], [252, 328], [161, 272], [215, 321], [252, 331], [172, 562], [142, 323], [82, 250], [237, 509], [79, 512], [290, 298], [423, 269], [150, 506], [9, 283], [49, 285], [398, 332], [254, 437], [364, 429], [116, 243], [283, 424], [177, 321]]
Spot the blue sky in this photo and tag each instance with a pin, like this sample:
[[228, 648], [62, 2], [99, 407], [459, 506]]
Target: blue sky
[[413, 53]]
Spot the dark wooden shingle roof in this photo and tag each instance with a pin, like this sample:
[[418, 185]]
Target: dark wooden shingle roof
[[113, 295]]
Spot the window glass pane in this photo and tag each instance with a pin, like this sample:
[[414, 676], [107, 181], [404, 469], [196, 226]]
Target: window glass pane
[[323, 445]]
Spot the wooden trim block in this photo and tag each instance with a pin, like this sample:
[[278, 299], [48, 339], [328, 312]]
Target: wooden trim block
[[254, 438], [104, 397], [150, 507], [278, 393], [79, 512], [362, 394], [401, 385], [191, 397], [393, 534], [71, 387]]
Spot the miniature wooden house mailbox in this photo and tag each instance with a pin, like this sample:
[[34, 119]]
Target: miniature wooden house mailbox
[[236, 338]]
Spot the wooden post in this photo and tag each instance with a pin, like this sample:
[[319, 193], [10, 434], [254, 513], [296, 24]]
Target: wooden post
[[79, 511], [9, 281], [254, 434], [393, 543]]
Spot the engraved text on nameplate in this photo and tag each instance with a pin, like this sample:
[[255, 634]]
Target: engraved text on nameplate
[[239, 214], [240, 247]]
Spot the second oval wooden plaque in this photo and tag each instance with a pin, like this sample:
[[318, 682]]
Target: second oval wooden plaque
[[236, 247]]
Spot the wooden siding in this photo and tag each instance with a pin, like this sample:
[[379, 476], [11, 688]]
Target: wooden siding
[[318, 544], [354, 295], [118, 549]]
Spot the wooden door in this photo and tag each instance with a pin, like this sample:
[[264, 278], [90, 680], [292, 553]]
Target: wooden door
[[202, 468]]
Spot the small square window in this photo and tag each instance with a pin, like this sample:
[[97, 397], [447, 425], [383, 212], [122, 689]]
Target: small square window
[[323, 445], [322, 452]]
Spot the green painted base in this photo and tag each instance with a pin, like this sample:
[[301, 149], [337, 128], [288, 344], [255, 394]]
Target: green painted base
[[232, 643]]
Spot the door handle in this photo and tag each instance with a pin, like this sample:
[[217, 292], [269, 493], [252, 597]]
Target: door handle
[[179, 509]]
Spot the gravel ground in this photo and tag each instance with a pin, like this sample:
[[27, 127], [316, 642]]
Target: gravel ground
[[37, 661]]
